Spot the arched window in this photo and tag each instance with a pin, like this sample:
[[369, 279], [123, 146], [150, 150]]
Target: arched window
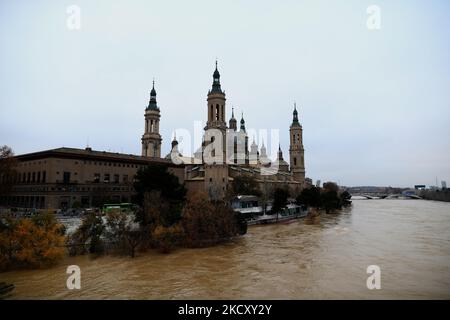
[[217, 112]]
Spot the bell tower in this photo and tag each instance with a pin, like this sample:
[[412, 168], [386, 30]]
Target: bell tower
[[151, 139], [216, 104], [296, 151], [216, 174]]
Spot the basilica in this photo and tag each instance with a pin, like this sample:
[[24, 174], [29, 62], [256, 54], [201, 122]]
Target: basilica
[[225, 152], [73, 177]]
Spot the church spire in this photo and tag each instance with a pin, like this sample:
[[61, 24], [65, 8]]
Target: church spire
[[280, 153], [242, 122], [174, 141], [152, 103], [233, 122], [295, 115], [216, 81]]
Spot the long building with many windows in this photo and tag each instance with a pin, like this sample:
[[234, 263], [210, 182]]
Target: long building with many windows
[[69, 177]]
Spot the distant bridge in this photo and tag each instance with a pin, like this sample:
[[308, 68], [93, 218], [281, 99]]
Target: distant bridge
[[384, 195], [370, 195]]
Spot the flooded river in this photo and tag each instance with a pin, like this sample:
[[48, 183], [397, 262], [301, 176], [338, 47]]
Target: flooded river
[[408, 239]]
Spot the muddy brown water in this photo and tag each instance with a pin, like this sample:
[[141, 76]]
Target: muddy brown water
[[408, 239]]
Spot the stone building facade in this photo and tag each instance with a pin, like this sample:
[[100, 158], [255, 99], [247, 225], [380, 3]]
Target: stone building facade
[[215, 178], [67, 177]]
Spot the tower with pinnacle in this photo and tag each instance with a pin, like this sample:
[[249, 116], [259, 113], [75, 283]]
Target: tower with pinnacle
[[216, 174], [151, 139], [296, 150]]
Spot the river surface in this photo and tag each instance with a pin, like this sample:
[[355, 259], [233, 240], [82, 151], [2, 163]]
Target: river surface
[[408, 239]]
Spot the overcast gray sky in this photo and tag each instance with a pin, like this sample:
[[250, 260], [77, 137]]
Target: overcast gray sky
[[374, 104]]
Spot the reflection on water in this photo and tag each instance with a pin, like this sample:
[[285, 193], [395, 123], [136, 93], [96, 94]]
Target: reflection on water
[[408, 239]]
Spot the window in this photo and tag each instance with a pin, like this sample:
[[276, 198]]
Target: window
[[39, 176], [125, 178], [116, 178], [66, 177], [29, 177], [43, 176], [295, 161], [217, 112], [96, 177], [106, 178]]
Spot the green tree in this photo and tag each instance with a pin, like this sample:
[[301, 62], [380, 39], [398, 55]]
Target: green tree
[[309, 197], [155, 179], [330, 199], [330, 186], [88, 235], [7, 170], [245, 185], [280, 197]]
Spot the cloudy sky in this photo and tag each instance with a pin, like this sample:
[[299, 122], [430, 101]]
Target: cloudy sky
[[374, 104]]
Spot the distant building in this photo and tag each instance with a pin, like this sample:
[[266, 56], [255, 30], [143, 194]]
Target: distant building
[[67, 177]]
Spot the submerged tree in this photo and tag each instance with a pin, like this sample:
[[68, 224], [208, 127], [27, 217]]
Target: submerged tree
[[330, 200], [35, 242], [158, 189], [208, 222], [280, 197], [166, 238], [345, 198], [309, 197], [89, 235]]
